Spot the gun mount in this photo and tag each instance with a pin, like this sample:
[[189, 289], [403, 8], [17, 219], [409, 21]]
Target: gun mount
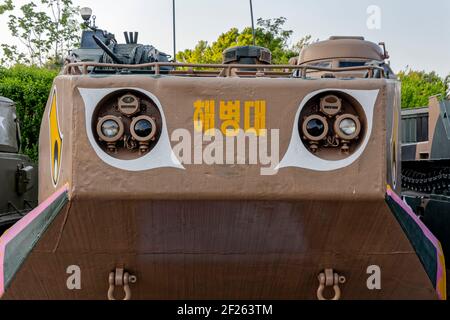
[[100, 46]]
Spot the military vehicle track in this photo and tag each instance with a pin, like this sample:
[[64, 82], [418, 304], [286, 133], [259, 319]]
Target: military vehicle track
[[435, 181]]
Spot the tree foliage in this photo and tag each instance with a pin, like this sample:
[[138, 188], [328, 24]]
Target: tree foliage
[[6, 6], [45, 28], [29, 87], [269, 33], [418, 86]]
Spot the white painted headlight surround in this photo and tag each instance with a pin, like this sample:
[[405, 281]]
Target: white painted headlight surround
[[298, 156], [161, 156]]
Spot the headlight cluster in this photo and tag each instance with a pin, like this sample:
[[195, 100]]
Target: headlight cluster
[[126, 123], [330, 122]]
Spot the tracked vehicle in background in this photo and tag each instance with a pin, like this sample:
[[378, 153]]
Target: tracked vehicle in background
[[223, 181], [19, 187], [426, 165], [426, 154]]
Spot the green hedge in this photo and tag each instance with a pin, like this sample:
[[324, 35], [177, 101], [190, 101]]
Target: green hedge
[[29, 87]]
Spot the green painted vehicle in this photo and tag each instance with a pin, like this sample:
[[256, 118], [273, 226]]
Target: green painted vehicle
[[18, 175]]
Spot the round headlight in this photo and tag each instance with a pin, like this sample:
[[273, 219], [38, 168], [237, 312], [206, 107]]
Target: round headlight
[[347, 127], [143, 128], [110, 129], [315, 128]]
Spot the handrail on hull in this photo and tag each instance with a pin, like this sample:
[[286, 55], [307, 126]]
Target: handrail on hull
[[224, 70]]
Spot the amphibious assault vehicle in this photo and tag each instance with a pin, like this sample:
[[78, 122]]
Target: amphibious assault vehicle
[[19, 187], [164, 180]]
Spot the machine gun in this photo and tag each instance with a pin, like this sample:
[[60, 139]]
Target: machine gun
[[100, 46]]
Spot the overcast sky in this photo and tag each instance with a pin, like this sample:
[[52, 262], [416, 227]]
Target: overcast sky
[[417, 33]]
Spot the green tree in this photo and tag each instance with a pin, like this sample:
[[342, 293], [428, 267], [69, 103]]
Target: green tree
[[418, 86], [64, 30], [269, 33], [7, 6], [45, 30]]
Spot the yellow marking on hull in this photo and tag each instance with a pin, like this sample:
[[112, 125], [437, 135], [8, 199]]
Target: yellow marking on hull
[[442, 283], [394, 142], [56, 140]]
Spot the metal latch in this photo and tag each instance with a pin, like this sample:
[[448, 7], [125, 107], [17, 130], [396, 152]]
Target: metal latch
[[120, 278], [24, 176], [330, 279]]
